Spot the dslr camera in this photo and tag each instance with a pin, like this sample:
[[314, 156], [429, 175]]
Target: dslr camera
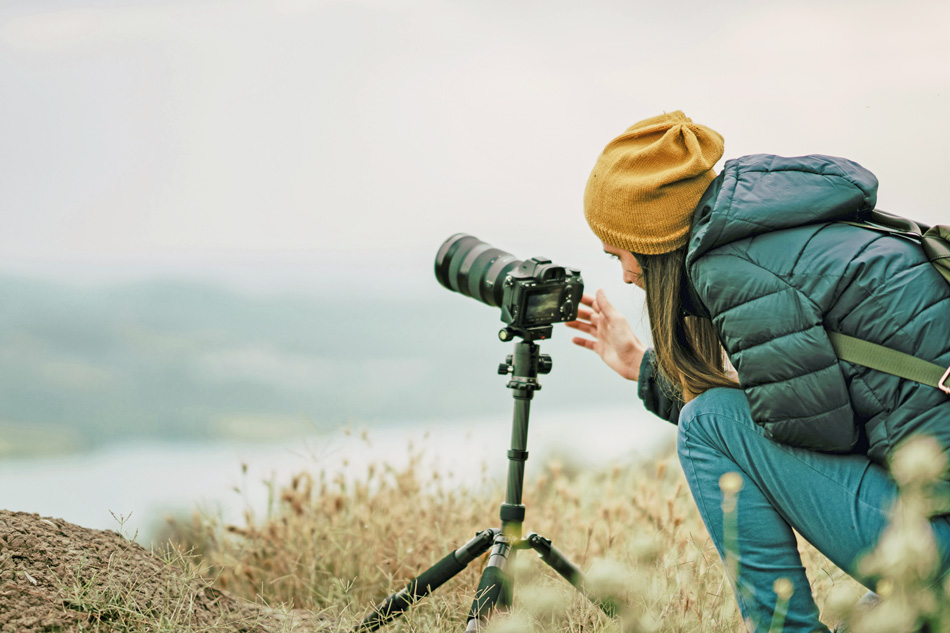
[[533, 294]]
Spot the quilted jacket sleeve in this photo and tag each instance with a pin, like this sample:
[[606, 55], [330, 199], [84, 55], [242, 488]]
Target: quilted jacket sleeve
[[656, 392], [775, 338]]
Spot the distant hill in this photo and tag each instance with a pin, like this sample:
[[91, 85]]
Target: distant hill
[[82, 365]]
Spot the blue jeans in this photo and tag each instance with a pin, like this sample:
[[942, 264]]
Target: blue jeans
[[839, 503]]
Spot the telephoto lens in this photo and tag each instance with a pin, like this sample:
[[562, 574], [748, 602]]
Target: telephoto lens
[[466, 265]]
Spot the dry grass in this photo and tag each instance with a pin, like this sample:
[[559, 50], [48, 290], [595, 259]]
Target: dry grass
[[338, 546]]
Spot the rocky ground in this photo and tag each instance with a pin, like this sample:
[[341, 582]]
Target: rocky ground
[[56, 576]]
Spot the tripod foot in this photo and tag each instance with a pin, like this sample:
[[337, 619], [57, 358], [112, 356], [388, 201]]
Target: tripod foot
[[427, 582]]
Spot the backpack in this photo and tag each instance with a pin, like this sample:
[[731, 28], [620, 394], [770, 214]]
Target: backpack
[[936, 244]]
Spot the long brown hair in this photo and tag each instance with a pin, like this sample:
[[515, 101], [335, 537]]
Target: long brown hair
[[688, 351]]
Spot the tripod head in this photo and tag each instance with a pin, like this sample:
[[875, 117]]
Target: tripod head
[[524, 366]]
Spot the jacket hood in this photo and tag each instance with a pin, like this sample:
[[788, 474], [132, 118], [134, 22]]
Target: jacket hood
[[762, 193]]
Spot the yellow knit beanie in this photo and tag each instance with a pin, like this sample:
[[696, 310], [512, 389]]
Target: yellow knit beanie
[[644, 187]]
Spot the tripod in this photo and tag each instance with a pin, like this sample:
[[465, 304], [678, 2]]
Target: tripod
[[495, 587]]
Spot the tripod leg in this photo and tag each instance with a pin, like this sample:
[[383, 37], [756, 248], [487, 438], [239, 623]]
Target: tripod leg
[[428, 581], [569, 571], [494, 589]]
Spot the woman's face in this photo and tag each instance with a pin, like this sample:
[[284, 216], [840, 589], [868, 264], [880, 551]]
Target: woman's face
[[631, 269]]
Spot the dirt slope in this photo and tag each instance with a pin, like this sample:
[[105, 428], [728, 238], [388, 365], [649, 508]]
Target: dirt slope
[[55, 576]]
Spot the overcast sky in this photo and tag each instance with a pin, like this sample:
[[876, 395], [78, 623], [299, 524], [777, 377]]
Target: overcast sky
[[189, 135]]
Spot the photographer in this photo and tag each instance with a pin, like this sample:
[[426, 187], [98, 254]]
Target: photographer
[[757, 265]]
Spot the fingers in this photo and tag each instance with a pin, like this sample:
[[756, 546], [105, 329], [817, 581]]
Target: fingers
[[587, 328], [583, 342], [585, 314], [586, 320], [591, 301], [603, 303]]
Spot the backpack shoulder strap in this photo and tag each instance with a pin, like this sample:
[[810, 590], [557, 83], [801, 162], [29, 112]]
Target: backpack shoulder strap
[[935, 240], [891, 361]]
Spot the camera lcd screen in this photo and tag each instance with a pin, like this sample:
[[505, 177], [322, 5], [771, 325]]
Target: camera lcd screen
[[542, 307]]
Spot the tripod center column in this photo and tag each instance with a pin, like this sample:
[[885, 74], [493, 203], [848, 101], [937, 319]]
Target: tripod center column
[[526, 363]]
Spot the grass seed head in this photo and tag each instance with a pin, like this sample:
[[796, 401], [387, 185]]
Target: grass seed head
[[730, 483], [918, 462], [783, 588]]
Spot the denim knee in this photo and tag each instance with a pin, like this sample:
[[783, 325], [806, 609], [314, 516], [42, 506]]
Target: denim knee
[[711, 417]]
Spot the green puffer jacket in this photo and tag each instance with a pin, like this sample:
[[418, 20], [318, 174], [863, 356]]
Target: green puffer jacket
[[770, 263]]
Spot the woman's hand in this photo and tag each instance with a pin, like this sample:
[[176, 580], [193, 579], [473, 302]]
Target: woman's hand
[[614, 340]]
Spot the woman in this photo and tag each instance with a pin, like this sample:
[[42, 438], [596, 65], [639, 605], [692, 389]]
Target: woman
[[756, 265]]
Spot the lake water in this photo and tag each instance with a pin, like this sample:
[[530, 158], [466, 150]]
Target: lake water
[[142, 482], [172, 394]]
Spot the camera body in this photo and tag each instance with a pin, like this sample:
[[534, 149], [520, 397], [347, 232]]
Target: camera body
[[538, 293]]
